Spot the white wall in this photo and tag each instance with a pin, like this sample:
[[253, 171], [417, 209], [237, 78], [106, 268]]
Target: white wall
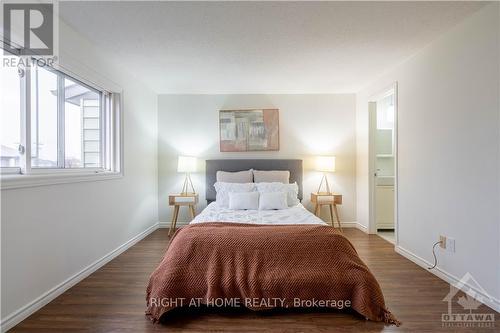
[[448, 149], [309, 125], [50, 233]]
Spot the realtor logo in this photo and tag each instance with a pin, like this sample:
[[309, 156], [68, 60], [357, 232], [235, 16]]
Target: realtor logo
[[470, 317], [29, 28]]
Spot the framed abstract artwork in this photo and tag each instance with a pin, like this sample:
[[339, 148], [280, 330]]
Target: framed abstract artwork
[[249, 130]]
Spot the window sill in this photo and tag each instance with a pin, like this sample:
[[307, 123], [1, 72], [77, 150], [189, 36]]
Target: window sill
[[20, 181]]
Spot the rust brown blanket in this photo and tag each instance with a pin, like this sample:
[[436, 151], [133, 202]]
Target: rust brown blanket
[[261, 267]]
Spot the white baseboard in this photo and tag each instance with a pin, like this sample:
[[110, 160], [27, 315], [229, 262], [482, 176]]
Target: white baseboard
[[167, 224], [19, 315], [356, 225], [450, 278]]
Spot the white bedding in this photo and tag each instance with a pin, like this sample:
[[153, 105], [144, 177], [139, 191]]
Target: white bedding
[[293, 215]]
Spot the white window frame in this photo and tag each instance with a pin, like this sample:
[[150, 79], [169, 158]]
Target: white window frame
[[111, 149]]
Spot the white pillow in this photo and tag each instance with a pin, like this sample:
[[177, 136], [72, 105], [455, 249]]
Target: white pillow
[[273, 200], [279, 176], [292, 191], [235, 177], [223, 189], [243, 200]]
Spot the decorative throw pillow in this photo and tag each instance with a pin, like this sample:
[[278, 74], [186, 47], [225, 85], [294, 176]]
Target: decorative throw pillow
[[273, 200], [243, 200], [235, 177], [223, 189], [292, 191], [279, 176]]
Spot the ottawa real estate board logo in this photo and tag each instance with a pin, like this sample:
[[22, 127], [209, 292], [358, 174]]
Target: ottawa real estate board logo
[[28, 28], [471, 316]]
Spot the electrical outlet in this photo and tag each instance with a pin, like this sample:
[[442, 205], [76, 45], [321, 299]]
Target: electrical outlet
[[442, 240], [450, 244]]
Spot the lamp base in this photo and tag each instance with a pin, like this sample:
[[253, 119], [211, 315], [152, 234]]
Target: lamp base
[[324, 180], [187, 183]]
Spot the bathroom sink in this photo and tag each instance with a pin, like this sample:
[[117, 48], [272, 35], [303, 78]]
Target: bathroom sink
[[385, 180]]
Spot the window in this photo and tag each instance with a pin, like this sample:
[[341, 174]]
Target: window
[[10, 118], [53, 122], [66, 122], [44, 115]]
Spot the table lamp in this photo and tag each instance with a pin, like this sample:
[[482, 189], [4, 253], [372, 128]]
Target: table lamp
[[187, 164], [325, 164]]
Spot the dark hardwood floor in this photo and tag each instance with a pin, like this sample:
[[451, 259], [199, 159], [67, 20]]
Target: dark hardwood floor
[[113, 299]]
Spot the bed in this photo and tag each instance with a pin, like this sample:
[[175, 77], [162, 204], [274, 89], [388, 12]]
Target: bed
[[291, 216], [262, 259]]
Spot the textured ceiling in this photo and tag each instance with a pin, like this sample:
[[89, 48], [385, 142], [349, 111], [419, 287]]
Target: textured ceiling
[[261, 47]]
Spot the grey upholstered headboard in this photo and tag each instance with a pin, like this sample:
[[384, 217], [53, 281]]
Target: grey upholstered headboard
[[212, 166]]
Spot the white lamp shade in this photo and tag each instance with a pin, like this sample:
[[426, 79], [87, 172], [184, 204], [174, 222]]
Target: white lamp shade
[[325, 163], [186, 164]]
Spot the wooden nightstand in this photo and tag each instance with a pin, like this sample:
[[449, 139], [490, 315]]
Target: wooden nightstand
[[331, 200], [177, 200]]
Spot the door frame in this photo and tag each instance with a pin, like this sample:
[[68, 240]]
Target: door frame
[[372, 116]]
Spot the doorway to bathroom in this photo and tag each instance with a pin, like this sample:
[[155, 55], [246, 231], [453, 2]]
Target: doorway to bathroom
[[383, 164]]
